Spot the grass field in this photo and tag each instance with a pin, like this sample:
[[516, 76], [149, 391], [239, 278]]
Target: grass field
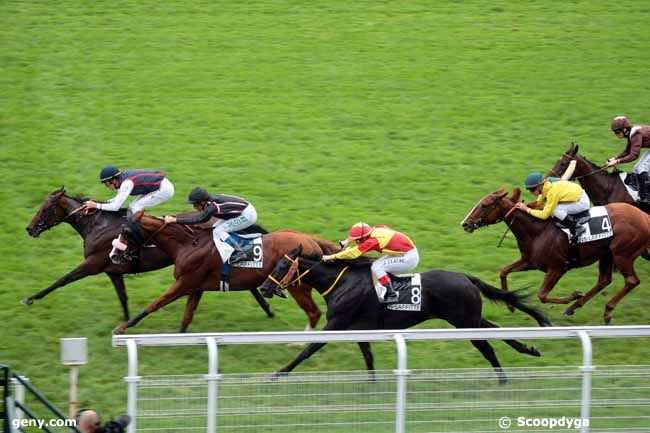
[[320, 113]]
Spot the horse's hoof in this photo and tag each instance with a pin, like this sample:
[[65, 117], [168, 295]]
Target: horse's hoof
[[511, 308], [569, 312], [118, 330], [608, 320], [577, 294], [27, 301], [535, 352], [276, 375], [270, 314], [503, 380]]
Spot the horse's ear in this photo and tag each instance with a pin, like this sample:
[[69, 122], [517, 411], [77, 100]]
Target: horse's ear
[[516, 194], [499, 192], [575, 150], [569, 151], [299, 250]]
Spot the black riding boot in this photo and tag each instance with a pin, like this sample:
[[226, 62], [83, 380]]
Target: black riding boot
[[391, 295], [575, 229], [237, 255], [644, 188]]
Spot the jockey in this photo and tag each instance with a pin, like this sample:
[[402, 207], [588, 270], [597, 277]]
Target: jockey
[[556, 197], [233, 213], [403, 256], [638, 137], [152, 187]]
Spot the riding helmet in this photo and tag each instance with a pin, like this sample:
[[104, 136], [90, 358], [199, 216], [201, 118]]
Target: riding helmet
[[620, 122], [533, 179], [197, 195], [108, 172], [359, 231]]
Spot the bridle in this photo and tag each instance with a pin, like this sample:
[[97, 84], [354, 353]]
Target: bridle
[[294, 268]]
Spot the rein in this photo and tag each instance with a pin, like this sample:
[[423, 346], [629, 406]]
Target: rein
[[283, 284]]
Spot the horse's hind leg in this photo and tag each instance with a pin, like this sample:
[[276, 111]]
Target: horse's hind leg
[[550, 280], [605, 268], [488, 353], [626, 266], [190, 308], [368, 358], [120, 289], [517, 345]]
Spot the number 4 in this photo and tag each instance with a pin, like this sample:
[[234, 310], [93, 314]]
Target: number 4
[[606, 226]]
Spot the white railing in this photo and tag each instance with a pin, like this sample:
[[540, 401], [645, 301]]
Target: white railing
[[400, 337]]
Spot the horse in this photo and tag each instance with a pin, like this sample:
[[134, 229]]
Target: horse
[[198, 265], [352, 303], [98, 229], [601, 186], [543, 246]]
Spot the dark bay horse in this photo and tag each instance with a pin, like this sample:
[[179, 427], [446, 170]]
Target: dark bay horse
[[352, 302], [98, 229], [198, 263], [543, 246], [601, 186]]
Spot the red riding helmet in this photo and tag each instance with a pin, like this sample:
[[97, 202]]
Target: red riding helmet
[[359, 231], [620, 122]]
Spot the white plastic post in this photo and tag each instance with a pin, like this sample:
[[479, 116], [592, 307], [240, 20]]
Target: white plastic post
[[132, 379], [587, 369], [401, 373], [74, 388], [19, 396], [212, 377]]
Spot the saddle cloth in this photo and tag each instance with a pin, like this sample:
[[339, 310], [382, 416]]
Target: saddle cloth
[[631, 184], [596, 223], [409, 290]]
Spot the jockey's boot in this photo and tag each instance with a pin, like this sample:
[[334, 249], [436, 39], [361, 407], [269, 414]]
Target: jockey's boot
[[239, 253], [575, 229], [391, 296], [644, 188]]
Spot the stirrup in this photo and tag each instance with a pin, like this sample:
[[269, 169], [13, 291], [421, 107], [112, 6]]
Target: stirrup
[[389, 298], [237, 256]]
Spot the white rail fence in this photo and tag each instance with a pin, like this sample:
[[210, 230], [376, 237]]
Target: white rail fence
[[612, 398]]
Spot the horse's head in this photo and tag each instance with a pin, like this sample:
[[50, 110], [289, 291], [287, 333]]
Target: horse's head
[[128, 242], [488, 210], [283, 274], [562, 165], [49, 214]]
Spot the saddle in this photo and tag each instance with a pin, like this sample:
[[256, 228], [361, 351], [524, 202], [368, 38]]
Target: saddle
[[579, 218]]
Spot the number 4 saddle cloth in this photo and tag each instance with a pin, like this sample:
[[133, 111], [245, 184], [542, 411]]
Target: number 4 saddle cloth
[[596, 223]]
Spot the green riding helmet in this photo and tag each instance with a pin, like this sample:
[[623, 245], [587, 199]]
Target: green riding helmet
[[197, 195], [533, 179]]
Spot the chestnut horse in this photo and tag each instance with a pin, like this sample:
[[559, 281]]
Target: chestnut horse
[[601, 186], [198, 264], [545, 247], [98, 229]]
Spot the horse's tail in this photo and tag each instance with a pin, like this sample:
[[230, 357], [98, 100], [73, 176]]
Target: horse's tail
[[515, 298], [327, 247]]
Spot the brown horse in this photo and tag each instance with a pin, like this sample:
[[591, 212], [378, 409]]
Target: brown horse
[[545, 247], [98, 229], [601, 186], [198, 264]]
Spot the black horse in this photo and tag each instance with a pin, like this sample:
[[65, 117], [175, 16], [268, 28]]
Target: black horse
[[98, 229], [352, 302]]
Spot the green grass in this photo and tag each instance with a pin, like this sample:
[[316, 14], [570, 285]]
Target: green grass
[[322, 114]]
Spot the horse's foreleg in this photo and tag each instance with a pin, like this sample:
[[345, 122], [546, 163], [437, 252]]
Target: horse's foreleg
[[173, 293], [260, 300], [90, 266], [604, 279], [332, 325], [550, 280], [488, 353], [302, 295], [118, 283], [518, 266], [626, 267], [192, 302]]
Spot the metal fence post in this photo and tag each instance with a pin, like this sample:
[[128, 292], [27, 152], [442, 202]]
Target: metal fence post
[[212, 377], [132, 379], [401, 373], [587, 369]]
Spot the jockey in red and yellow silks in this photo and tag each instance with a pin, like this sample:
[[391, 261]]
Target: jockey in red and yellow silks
[[400, 254]]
